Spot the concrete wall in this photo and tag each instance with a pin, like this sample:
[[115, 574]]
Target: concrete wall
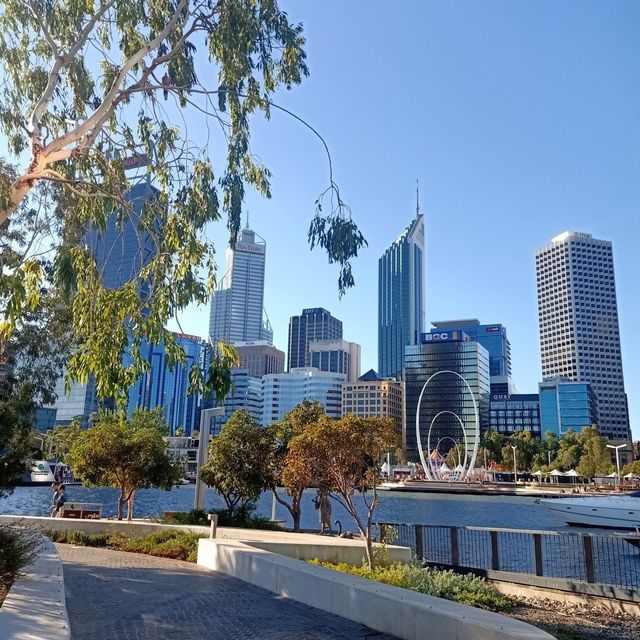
[[405, 614], [294, 545], [34, 608]]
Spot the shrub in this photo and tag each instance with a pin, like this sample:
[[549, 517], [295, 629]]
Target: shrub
[[19, 547], [465, 589], [179, 545], [242, 517]]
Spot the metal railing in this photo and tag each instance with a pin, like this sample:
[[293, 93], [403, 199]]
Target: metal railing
[[609, 560]]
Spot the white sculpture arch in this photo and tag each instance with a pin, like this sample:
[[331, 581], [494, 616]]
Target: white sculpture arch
[[434, 471], [425, 466]]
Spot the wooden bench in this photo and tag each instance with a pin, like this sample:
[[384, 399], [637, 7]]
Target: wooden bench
[[81, 510]]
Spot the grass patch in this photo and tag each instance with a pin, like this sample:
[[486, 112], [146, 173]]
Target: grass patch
[[465, 589], [179, 545]]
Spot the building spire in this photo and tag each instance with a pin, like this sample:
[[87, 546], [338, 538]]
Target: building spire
[[417, 197], [247, 225]]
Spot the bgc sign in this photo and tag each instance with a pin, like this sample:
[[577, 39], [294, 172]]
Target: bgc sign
[[442, 336]]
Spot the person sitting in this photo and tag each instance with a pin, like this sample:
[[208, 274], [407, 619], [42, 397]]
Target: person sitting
[[59, 502], [55, 487]]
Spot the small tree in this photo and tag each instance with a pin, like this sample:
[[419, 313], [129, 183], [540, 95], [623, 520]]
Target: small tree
[[16, 408], [282, 469], [632, 467], [493, 442], [596, 458], [343, 457], [61, 438], [455, 456], [125, 454], [236, 464]]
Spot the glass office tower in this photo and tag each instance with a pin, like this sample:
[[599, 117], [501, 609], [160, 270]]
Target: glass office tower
[[400, 298], [312, 324], [452, 351]]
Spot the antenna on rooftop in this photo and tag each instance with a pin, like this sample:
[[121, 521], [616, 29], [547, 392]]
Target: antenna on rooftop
[[247, 225], [417, 197]]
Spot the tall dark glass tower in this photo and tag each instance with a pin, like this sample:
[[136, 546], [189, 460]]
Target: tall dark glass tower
[[313, 324], [400, 298]]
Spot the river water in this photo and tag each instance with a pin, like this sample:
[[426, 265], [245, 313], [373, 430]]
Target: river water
[[423, 508]]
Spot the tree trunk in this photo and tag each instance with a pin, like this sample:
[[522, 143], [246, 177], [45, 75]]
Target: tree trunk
[[121, 501], [130, 507]]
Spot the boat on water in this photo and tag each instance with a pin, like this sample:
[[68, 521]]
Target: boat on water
[[38, 473], [611, 511]]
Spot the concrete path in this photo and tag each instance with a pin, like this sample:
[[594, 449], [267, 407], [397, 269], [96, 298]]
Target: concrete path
[[113, 595]]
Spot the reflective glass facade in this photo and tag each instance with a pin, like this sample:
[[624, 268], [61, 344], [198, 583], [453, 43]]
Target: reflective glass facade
[[400, 298], [515, 412], [493, 337], [567, 405], [445, 392], [311, 325], [167, 388], [282, 392], [246, 394], [237, 306]]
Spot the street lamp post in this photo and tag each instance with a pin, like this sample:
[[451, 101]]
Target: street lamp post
[[617, 448], [203, 446], [515, 470]]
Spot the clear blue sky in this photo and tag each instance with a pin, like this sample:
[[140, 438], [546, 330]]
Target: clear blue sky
[[521, 120]]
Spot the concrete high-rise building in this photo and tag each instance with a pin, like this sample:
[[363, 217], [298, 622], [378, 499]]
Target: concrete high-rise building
[[370, 396], [400, 298], [237, 306], [578, 318], [284, 391], [312, 324], [260, 358], [336, 356]]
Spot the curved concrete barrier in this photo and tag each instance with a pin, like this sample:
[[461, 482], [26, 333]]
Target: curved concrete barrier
[[35, 608], [400, 612]]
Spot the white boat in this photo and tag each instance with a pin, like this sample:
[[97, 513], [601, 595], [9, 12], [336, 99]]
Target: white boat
[[612, 511], [38, 473]]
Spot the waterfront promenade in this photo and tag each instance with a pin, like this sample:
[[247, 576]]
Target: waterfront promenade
[[114, 595]]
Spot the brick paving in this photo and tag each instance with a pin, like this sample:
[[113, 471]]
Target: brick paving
[[114, 595]]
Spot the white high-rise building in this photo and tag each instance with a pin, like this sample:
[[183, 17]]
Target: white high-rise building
[[237, 306], [578, 318]]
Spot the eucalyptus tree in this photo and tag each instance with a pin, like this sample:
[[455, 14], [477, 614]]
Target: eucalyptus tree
[[90, 89]]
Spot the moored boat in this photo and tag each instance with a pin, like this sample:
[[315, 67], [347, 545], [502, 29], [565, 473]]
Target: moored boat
[[38, 473], [612, 511]]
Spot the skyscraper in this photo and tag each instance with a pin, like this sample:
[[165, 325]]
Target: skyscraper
[[237, 306], [336, 356], [400, 298], [493, 337], [313, 324], [578, 318]]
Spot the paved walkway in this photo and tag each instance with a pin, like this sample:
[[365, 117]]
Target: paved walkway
[[113, 595]]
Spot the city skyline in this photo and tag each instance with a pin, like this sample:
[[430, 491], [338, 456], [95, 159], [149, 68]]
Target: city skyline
[[510, 151]]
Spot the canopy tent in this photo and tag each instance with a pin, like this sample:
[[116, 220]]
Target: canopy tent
[[632, 476], [539, 473], [385, 468], [612, 475], [459, 468], [556, 473], [444, 468], [572, 473]]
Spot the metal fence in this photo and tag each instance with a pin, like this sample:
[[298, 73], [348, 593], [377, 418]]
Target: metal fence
[[582, 557]]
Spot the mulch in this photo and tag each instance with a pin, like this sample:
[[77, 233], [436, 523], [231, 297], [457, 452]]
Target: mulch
[[576, 622]]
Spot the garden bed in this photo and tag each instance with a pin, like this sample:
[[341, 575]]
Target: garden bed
[[178, 545]]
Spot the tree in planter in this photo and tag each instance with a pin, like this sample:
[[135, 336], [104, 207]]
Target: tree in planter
[[282, 469], [126, 455], [91, 89], [343, 457], [236, 463]]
